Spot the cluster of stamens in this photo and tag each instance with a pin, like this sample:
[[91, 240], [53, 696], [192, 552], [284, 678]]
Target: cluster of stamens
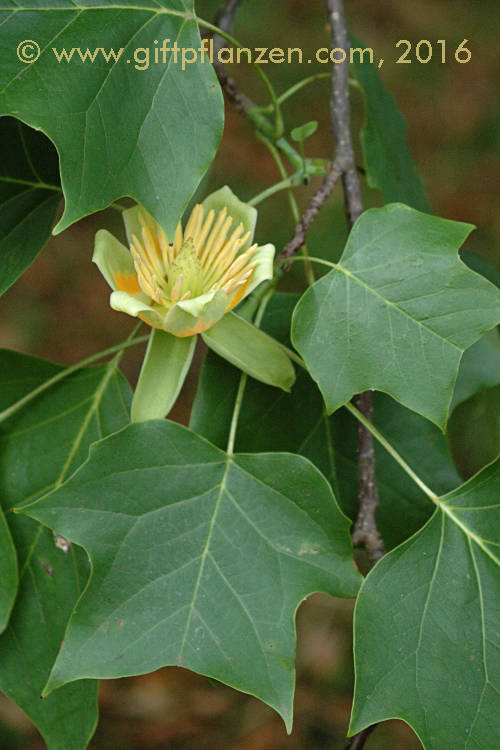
[[202, 259]]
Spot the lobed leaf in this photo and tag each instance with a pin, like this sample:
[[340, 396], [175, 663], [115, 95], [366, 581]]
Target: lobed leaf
[[426, 625], [195, 553], [274, 421], [120, 130], [396, 313]]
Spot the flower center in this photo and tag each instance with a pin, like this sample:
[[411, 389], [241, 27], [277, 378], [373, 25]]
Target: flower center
[[203, 259]]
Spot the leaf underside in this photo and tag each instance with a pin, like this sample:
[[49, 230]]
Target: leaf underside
[[387, 159], [27, 209]]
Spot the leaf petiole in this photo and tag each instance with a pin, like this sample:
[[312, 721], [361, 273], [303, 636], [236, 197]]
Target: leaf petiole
[[293, 181], [392, 451], [243, 380], [236, 413], [296, 88], [321, 261], [374, 431], [130, 341]]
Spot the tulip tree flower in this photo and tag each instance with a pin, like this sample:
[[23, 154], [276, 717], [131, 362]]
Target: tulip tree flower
[[189, 286]]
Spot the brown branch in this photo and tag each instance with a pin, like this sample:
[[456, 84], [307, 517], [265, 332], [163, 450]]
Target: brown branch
[[226, 15], [340, 112], [366, 533], [241, 101], [343, 166], [358, 741], [243, 104], [365, 529], [319, 198]]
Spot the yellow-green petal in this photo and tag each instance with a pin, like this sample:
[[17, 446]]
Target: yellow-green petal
[[251, 350], [138, 305], [238, 210], [112, 258], [263, 271], [195, 315]]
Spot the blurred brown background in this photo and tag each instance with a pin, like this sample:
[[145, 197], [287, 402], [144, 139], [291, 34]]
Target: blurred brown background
[[59, 310]]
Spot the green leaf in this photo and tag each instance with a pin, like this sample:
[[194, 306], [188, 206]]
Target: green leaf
[[271, 420], [251, 350], [481, 265], [28, 199], [180, 534], [403, 506], [388, 162], [164, 369], [303, 132], [426, 625], [475, 409], [120, 130], [396, 313], [477, 417], [479, 368], [40, 446], [9, 578]]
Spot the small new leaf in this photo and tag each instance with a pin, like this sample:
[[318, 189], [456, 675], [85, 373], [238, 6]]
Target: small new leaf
[[302, 132]]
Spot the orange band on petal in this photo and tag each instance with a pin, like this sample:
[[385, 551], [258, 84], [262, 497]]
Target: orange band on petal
[[127, 283], [143, 317], [198, 328]]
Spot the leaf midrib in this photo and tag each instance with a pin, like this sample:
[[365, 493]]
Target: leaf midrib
[[400, 310], [468, 532], [155, 10], [203, 558]]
